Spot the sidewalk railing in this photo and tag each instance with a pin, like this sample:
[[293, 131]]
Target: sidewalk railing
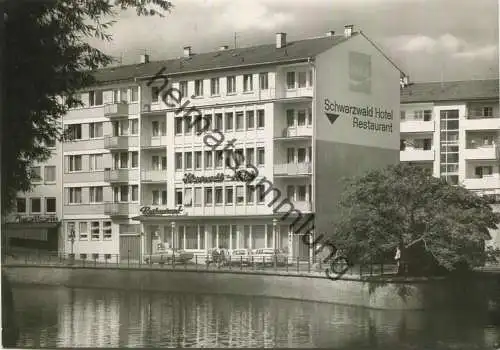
[[254, 264]]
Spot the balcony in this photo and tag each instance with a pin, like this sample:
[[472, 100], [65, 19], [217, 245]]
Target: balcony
[[120, 209], [154, 176], [114, 110], [419, 126], [302, 206], [120, 175], [481, 123], [416, 155], [299, 132], [486, 182], [292, 169], [486, 152], [297, 93], [120, 142], [154, 141]]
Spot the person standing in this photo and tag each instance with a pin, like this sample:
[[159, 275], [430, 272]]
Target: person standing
[[397, 257]]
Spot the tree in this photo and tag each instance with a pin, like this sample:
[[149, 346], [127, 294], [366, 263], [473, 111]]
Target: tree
[[435, 224], [46, 55]]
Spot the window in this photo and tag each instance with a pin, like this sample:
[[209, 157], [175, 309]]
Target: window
[[290, 118], [70, 229], [178, 161], [95, 230], [487, 111], [164, 197], [183, 89], [302, 193], [218, 121], [188, 197], [188, 160], [483, 171], [21, 205], [290, 80], [124, 160], [135, 159], [239, 121], [311, 77], [74, 132], [75, 195], [197, 160], [95, 130], [134, 94], [135, 193], [214, 86], [301, 117], [231, 85], [95, 194], [290, 155], [95, 98], [164, 163], [264, 81], [229, 121], [260, 156], [124, 193], [198, 196], [218, 195], [250, 119], [250, 157], [310, 116], [260, 118], [198, 87], [188, 125], [290, 192], [240, 196], [219, 158], [106, 230], [209, 159], [124, 95], [402, 115], [83, 229], [50, 143], [209, 196], [163, 128], [260, 193], [134, 126], [155, 93], [302, 79], [155, 126], [229, 195], [75, 163], [178, 125], [36, 205], [301, 155], [156, 197], [178, 196], [250, 194], [36, 173], [95, 162], [247, 82]]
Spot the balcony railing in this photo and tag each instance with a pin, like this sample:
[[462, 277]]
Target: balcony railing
[[482, 152], [301, 131], [416, 155], [302, 206], [119, 109], [154, 175], [481, 122], [116, 209], [290, 169], [119, 175], [486, 182], [153, 141], [120, 142], [417, 126]]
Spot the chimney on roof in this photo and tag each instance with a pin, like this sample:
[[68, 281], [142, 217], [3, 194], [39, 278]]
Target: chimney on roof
[[223, 48], [280, 40], [348, 30], [187, 51], [330, 33], [144, 58]]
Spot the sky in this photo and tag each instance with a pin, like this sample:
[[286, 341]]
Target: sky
[[431, 40]]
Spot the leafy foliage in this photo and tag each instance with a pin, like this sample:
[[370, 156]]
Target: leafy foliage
[[46, 56], [404, 206]]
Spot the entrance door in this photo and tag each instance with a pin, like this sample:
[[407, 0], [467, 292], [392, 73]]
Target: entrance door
[[130, 248]]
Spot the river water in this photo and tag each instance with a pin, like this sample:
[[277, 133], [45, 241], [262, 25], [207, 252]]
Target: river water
[[64, 317]]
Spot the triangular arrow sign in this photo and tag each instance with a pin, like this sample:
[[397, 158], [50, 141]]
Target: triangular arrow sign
[[332, 117]]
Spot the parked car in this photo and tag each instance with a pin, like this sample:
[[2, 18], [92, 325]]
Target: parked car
[[269, 256], [168, 256], [241, 257]]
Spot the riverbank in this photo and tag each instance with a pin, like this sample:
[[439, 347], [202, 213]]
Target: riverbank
[[375, 293]]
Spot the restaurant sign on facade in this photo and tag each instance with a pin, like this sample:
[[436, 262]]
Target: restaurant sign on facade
[[240, 176], [37, 219], [150, 211]]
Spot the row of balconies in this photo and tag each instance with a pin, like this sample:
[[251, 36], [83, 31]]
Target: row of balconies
[[490, 152], [129, 209], [419, 126]]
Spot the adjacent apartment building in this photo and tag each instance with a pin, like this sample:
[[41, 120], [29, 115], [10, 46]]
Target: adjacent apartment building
[[453, 129], [298, 115]]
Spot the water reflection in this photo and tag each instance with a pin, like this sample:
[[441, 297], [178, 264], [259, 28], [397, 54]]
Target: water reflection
[[59, 317]]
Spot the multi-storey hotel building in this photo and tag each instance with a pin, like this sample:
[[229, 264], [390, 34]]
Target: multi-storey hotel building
[[453, 129], [295, 116]]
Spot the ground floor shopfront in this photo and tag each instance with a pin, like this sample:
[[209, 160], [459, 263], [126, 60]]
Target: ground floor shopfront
[[37, 236], [199, 234]]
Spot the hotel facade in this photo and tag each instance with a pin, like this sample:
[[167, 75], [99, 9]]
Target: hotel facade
[[453, 129], [299, 116]]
